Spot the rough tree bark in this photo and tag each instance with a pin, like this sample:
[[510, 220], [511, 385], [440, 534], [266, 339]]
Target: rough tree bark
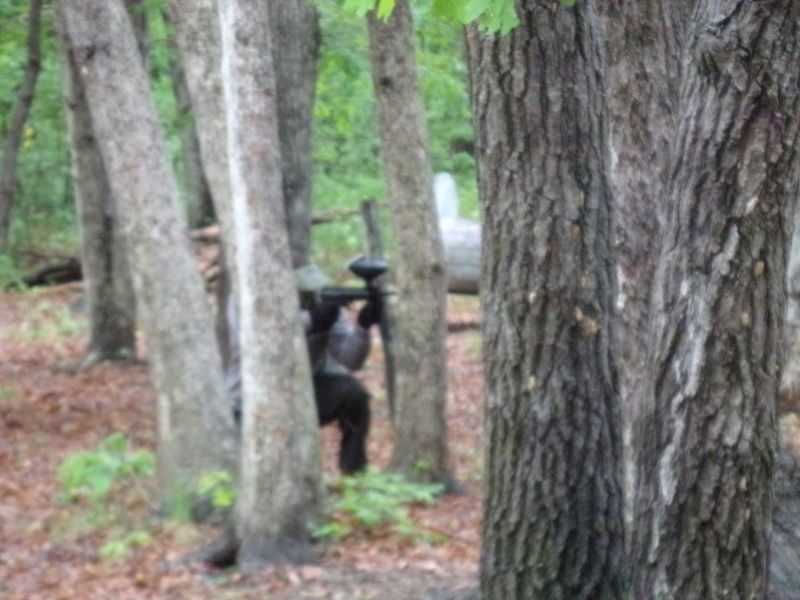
[[642, 66], [199, 202], [280, 475], [108, 288], [552, 524], [295, 31], [195, 425], [705, 436], [418, 265], [8, 175]]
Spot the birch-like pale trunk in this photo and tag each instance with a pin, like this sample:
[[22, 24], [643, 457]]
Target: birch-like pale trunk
[[280, 473], [196, 433]]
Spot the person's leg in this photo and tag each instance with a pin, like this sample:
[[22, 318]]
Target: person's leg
[[341, 397]]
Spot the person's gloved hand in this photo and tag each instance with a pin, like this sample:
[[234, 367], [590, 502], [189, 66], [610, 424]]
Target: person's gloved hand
[[370, 313], [323, 316]]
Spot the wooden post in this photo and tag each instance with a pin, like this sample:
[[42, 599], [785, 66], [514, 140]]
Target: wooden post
[[369, 211]]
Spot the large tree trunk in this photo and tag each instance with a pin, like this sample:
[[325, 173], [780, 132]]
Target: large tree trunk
[[552, 524], [107, 284], [295, 31], [8, 175], [642, 64], [280, 457], [418, 267], [195, 425], [705, 436]]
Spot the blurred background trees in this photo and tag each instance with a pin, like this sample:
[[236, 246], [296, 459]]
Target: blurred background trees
[[346, 158]]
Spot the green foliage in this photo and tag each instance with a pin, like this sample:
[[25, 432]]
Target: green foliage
[[373, 500], [218, 488], [10, 275], [347, 162], [119, 548], [92, 474], [46, 321]]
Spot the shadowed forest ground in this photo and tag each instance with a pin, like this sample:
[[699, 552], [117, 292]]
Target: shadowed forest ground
[[49, 549]]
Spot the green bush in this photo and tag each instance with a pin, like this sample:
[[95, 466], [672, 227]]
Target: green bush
[[373, 501], [94, 473], [119, 548]]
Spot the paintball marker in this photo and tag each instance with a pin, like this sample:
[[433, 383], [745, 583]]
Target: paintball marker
[[367, 269]]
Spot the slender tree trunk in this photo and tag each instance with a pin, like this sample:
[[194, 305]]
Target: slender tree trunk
[[195, 426], [295, 30], [107, 284], [280, 456], [705, 437], [552, 525], [420, 325], [199, 202], [8, 175]]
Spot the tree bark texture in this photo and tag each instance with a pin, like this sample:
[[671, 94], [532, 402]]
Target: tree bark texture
[[108, 288], [552, 524], [195, 427], [418, 265], [198, 36], [199, 202], [16, 126], [705, 436], [280, 456], [643, 58], [785, 541], [296, 35]]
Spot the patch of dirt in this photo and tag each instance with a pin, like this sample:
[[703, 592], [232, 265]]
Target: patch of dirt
[[49, 410]]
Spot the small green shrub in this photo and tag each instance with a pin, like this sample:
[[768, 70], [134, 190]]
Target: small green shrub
[[218, 488], [119, 548], [94, 473], [371, 501]]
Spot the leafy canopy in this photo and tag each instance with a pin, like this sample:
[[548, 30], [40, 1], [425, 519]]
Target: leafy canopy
[[493, 15]]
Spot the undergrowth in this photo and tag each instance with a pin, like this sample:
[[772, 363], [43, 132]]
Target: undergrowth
[[375, 502]]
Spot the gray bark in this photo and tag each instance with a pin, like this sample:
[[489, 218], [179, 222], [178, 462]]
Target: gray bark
[[280, 455], [199, 202], [198, 37], [784, 581], [295, 31], [552, 525], [705, 435], [8, 174], [643, 54], [418, 265], [196, 433], [108, 288]]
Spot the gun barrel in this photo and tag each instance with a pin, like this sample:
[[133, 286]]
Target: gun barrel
[[346, 295]]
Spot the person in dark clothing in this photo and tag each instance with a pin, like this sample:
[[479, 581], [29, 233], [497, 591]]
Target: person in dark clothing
[[336, 348]]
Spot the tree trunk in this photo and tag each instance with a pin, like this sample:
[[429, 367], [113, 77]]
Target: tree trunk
[[705, 437], [195, 425], [107, 285], [642, 68], [199, 202], [552, 525], [785, 541], [8, 175], [295, 31], [280, 456], [419, 271]]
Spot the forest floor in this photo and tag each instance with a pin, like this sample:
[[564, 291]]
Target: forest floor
[[49, 410]]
